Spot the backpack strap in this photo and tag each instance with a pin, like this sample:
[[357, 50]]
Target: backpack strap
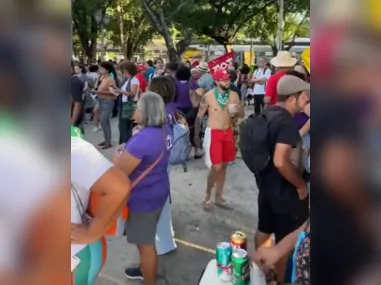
[[270, 115]]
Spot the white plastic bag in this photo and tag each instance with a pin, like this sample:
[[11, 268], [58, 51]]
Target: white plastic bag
[[257, 277]]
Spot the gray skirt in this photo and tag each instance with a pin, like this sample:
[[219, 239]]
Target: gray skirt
[[141, 227]]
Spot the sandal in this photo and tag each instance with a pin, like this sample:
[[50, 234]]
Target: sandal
[[106, 146], [208, 205], [223, 205]]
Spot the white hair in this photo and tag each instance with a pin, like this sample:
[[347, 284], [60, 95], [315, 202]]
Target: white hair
[[152, 108]]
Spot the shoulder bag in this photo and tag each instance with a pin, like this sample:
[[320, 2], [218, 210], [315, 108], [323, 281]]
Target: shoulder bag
[[128, 108]]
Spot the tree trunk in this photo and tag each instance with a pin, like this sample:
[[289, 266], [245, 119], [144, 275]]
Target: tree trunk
[[274, 50], [129, 46], [184, 43], [91, 50], [171, 49], [121, 29], [159, 22], [207, 53]]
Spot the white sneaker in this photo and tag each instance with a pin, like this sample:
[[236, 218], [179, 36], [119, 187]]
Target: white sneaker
[[96, 129]]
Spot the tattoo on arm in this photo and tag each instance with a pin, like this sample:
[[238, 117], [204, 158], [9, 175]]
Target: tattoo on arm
[[197, 128], [201, 112]]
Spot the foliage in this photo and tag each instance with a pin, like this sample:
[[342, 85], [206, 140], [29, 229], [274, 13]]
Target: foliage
[[164, 15], [264, 26], [135, 22], [221, 20], [85, 27], [129, 28]]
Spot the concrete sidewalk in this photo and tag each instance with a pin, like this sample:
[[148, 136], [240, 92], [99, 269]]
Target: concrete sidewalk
[[197, 230]]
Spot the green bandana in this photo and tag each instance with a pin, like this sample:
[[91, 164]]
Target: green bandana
[[222, 99]]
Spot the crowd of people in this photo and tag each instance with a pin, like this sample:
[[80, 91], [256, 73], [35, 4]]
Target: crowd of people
[[149, 100]]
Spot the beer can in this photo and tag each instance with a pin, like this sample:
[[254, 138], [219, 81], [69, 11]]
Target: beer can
[[224, 259], [239, 240], [240, 267]]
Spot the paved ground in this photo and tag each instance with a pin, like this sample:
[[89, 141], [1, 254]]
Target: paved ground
[[196, 229]]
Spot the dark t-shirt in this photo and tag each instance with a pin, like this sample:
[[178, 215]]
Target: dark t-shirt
[[77, 97], [339, 248], [281, 129]]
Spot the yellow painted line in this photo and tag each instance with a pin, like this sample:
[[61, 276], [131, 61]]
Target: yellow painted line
[[195, 246]]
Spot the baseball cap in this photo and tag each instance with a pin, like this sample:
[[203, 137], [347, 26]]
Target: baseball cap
[[290, 84], [141, 67], [221, 74]]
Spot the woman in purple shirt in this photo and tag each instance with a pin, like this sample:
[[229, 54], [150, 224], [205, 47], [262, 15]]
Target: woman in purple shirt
[[147, 152], [165, 87], [188, 97], [185, 88]]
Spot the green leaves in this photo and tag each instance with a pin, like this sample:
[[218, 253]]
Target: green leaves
[[264, 26], [129, 28], [135, 22]]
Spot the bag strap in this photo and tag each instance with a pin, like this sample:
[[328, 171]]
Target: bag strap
[[151, 167], [79, 203], [147, 171]]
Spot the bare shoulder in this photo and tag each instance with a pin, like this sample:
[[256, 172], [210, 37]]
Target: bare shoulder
[[234, 95], [205, 98], [111, 81]]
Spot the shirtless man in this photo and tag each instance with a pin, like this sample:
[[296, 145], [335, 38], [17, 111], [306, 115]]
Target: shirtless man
[[222, 105]]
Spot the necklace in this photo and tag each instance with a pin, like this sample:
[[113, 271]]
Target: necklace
[[223, 98]]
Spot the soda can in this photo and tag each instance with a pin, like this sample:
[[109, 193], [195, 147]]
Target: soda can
[[224, 259], [240, 267], [239, 240]]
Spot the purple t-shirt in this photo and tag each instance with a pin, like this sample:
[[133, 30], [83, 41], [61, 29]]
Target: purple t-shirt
[[151, 193], [183, 90], [301, 119], [170, 110]]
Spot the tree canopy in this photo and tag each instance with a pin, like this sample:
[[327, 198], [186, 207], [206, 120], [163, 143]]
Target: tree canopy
[[85, 27], [264, 26], [129, 27], [135, 22], [221, 20]]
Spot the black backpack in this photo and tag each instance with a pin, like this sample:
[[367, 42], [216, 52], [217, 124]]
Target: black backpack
[[254, 142]]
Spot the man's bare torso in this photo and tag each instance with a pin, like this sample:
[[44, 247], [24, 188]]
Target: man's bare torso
[[218, 118]]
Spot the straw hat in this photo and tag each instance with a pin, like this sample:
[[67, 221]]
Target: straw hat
[[283, 59], [203, 67], [300, 69]]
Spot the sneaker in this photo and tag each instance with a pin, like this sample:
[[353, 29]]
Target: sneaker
[[133, 273], [96, 129]]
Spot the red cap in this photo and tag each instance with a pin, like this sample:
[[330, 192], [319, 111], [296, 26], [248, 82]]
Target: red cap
[[221, 75], [142, 67], [195, 63]]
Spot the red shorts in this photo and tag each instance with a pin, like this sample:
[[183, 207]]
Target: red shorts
[[219, 147]]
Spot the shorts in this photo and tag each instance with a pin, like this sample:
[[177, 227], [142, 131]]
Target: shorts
[[219, 147], [281, 217], [141, 227]]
